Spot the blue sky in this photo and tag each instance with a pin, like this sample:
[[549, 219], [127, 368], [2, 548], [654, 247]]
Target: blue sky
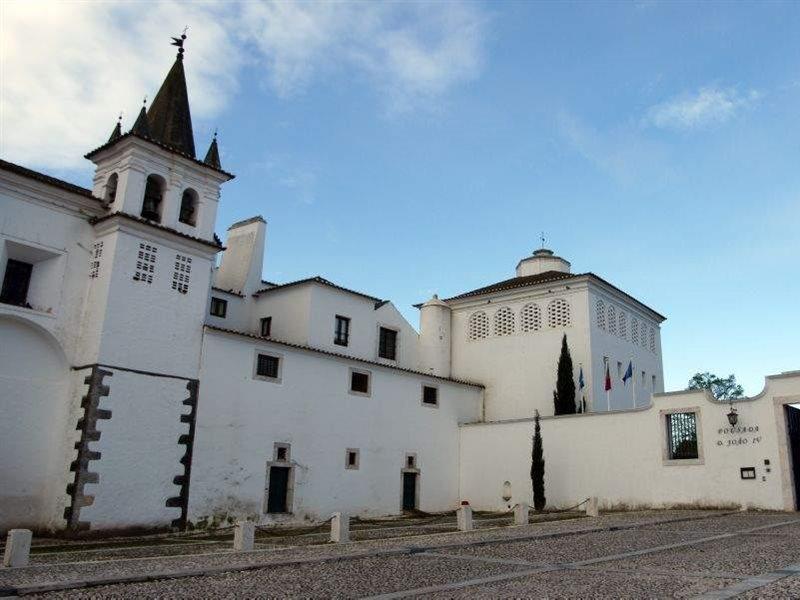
[[407, 149]]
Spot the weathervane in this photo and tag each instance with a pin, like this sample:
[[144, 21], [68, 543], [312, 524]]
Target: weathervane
[[542, 239], [179, 42]]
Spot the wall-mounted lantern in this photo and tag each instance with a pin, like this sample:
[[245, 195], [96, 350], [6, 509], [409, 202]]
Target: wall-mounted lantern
[[733, 418]]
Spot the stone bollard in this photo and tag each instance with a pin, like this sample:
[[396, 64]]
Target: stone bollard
[[340, 528], [592, 509], [464, 518], [18, 547], [244, 536], [521, 513]]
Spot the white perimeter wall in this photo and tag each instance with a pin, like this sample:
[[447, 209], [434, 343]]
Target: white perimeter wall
[[241, 418], [619, 456]]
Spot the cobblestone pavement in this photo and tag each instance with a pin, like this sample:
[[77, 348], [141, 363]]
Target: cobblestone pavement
[[682, 554]]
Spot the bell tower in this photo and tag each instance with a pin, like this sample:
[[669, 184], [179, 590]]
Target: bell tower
[[142, 327]]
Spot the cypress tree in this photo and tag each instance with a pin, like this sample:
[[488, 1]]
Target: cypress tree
[[537, 466], [564, 396]]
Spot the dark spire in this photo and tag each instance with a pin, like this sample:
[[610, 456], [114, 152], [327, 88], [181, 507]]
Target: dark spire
[[169, 117], [212, 156], [117, 129], [141, 126]]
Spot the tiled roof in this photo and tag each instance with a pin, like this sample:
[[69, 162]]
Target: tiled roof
[[316, 279], [540, 278], [46, 179], [215, 244], [271, 340], [231, 292], [515, 282]]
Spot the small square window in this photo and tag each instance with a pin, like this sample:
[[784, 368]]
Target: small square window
[[387, 343], [682, 436], [268, 366], [747, 472], [341, 334], [266, 326], [359, 382], [411, 461], [430, 395], [351, 459], [281, 452], [219, 307]]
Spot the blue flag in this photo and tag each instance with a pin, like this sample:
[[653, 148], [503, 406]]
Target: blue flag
[[581, 384], [628, 373]]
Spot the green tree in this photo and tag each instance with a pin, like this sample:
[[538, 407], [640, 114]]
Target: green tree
[[723, 388], [564, 394], [537, 466]]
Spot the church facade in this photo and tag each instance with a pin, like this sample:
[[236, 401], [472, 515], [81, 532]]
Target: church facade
[[147, 383]]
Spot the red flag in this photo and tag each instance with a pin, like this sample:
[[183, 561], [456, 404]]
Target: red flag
[[608, 378]]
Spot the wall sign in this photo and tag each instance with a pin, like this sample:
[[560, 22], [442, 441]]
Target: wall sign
[[748, 472], [740, 435]]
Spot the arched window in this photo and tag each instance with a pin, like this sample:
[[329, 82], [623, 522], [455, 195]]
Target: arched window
[[612, 320], [153, 195], [623, 325], [111, 188], [530, 318], [558, 313], [504, 321], [188, 212], [600, 309], [478, 326]]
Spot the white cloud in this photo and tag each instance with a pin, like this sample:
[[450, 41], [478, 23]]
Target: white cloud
[[68, 68], [708, 106], [622, 153]]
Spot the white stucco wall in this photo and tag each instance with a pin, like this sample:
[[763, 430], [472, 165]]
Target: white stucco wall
[[619, 456], [241, 418], [620, 350], [289, 308], [519, 370]]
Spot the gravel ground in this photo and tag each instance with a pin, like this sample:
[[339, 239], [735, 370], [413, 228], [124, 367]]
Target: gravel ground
[[450, 558], [577, 584], [580, 547], [785, 588], [333, 580], [749, 555]]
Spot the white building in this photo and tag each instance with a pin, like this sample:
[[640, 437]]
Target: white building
[[141, 386]]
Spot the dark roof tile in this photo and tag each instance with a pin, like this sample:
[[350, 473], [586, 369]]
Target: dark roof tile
[[46, 179]]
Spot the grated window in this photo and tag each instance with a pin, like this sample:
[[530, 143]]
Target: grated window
[[94, 260], [504, 321], [652, 340], [180, 275], [643, 336], [145, 263], [478, 326], [623, 325], [634, 331], [558, 313], [612, 320], [600, 308], [530, 318]]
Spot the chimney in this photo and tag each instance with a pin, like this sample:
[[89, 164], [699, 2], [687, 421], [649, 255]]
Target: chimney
[[243, 258]]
